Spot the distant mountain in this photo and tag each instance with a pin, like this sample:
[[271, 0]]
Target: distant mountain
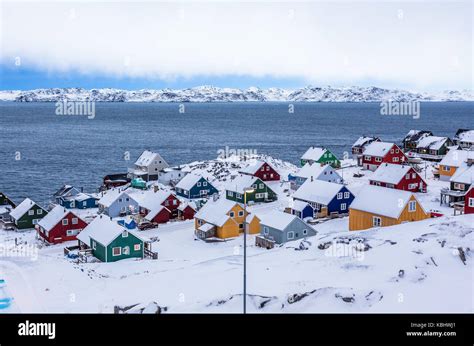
[[214, 94]]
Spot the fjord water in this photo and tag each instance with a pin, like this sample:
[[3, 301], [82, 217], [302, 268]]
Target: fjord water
[[40, 151]]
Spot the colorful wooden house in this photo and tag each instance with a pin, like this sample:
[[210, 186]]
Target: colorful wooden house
[[187, 210], [261, 191], [158, 206], [469, 201], [262, 170], [376, 206], [195, 186], [5, 200], [138, 183], [460, 183], [411, 139], [109, 241], [79, 201], [224, 219], [115, 180], [282, 227], [320, 155], [148, 166], [27, 214], [464, 138], [432, 148], [118, 202], [359, 146], [6, 206], [172, 175], [378, 152], [451, 162], [316, 171], [66, 191], [401, 177], [60, 225], [326, 199]]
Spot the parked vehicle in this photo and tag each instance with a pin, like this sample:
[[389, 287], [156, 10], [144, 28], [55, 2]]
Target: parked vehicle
[[147, 225]]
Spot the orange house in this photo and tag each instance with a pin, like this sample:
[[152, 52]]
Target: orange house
[[451, 162], [224, 219], [378, 206]]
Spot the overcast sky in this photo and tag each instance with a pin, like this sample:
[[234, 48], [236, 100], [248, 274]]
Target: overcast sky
[[412, 45]]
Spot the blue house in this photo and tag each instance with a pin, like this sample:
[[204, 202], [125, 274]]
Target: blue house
[[118, 202], [66, 191], [314, 171], [326, 199], [79, 201], [195, 186], [281, 227]]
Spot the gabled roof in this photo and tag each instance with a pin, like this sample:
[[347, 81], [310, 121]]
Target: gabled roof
[[431, 142], [390, 173], [464, 175], [112, 195], [83, 196], [416, 135], [378, 148], [54, 217], [63, 190], [317, 191], [313, 170], [454, 158], [465, 135], [382, 201], [186, 204], [277, 219], [149, 199], [147, 157], [364, 140], [103, 230], [298, 205], [215, 212], [22, 208], [314, 153], [254, 167], [188, 181], [241, 182]]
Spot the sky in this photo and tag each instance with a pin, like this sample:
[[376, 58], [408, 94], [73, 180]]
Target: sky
[[413, 45]]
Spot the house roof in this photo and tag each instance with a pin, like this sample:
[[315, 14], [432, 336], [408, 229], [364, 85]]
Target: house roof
[[464, 175], [454, 158], [186, 204], [149, 199], [111, 195], [215, 212], [314, 153], [317, 191], [390, 173], [104, 230], [277, 219], [22, 208], [146, 158], [54, 216], [254, 167], [84, 196], [188, 181], [298, 205], [63, 190], [241, 182], [378, 148], [416, 135], [431, 142], [382, 201], [313, 170], [363, 140], [465, 135]]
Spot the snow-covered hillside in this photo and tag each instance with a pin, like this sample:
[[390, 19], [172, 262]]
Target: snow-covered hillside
[[215, 94]]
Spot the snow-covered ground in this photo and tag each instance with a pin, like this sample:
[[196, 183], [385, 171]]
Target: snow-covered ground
[[414, 267]]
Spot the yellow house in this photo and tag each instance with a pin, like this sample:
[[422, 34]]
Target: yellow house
[[451, 162], [224, 219], [377, 206]]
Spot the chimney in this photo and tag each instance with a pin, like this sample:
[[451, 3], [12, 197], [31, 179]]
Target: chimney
[[312, 178], [155, 188]]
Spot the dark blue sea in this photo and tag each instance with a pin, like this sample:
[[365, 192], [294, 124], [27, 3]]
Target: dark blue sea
[[54, 149]]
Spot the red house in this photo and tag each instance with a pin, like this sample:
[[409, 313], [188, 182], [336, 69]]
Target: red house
[[158, 206], [262, 170], [400, 177], [469, 201], [187, 211], [377, 152], [60, 225]]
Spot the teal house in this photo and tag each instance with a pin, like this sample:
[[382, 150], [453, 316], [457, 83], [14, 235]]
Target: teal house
[[195, 186], [27, 214], [109, 241], [261, 191], [320, 155]]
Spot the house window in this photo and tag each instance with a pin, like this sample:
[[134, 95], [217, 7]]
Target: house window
[[268, 168], [116, 251], [84, 203], [175, 202], [199, 184], [305, 232], [124, 234], [412, 186], [346, 195], [71, 232], [391, 151], [261, 186], [35, 221], [96, 202], [230, 193], [367, 158], [397, 151], [39, 211], [271, 175], [291, 235], [204, 183], [120, 200], [395, 159], [458, 186], [65, 222], [407, 176], [238, 195], [126, 250], [94, 245], [265, 230], [75, 220], [376, 221], [127, 199], [339, 195], [31, 212], [343, 206], [231, 214], [471, 202], [413, 175], [137, 247], [241, 226], [254, 186], [412, 206], [73, 204], [241, 213], [378, 159], [446, 168]]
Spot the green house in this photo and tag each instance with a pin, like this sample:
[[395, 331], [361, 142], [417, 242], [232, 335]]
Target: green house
[[4, 200], [261, 191], [320, 155], [27, 214], [110, 242]]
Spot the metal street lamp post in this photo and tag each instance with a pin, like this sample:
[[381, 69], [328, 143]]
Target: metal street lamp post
[[246, 190]]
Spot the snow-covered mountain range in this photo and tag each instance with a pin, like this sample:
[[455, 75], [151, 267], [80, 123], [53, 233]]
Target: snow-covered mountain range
[[215, 94]]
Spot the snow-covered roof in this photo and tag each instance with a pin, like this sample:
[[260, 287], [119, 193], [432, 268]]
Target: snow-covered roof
[[363, 140], [454, 158], [206, 227], [103, 230], [382, 201], [83, 196], [215, 212], [416, 135], [431, 142], [240, 183], [53, 217], [22, 208], [254, 167], [277, 219], [378, 148], [149, 199], [390, 173], [154, 211], [186, 204], [5, 208], [188, 181], [111, 196], [298, 205], [317, 191], [466, 136], [313, 153], [313, 170], [146, 158], [464, 175]]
